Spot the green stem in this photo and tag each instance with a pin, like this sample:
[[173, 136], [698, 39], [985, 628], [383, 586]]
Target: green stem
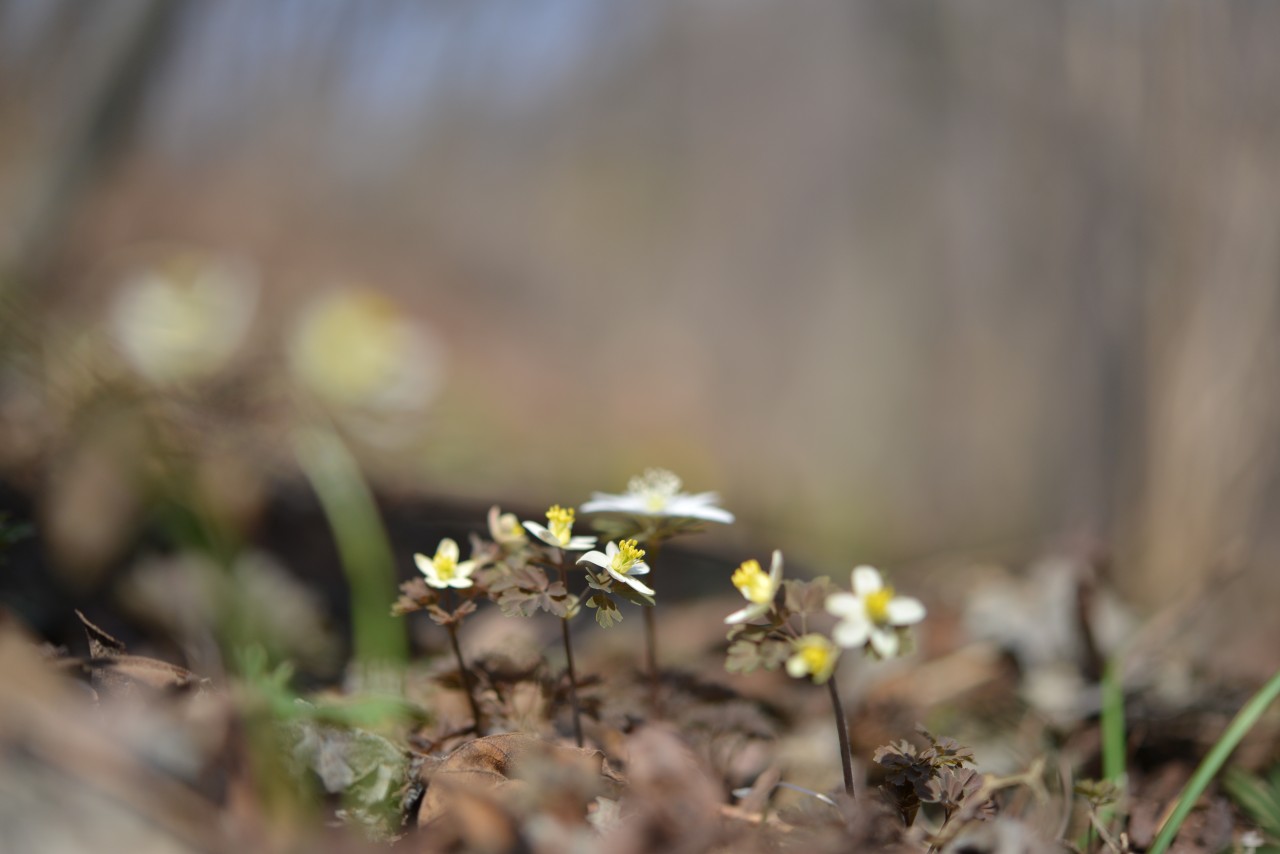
[[363, 547], [842, 730], [1231, 738], [1113, 734]]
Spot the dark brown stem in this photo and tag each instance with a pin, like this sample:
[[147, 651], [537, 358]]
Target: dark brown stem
[[466, 677], [842, 730], [573, 683], [651, 645], [568, 655], [651, 659]]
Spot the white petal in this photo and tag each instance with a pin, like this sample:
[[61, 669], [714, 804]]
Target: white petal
[[460, 581], [904, 611], [846, 605], [543, 534], [602, 502], [884, 642], [577, 544], [852, 633], [866, 580], [775, 570], [424, 563], [748, 613], [633, 583], [639, 568], [796, 667], [447, 549], [598, 558], [698, 507]]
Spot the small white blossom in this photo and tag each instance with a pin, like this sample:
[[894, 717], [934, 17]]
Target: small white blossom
[[444, 570], [758, 589], [183, 319], [559, 530], [505, 529], [623, 561], [872, 613], [814, 656], [657, 493], [356, 350]]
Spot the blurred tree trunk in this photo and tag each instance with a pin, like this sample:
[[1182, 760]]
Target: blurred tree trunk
[[102, 72]]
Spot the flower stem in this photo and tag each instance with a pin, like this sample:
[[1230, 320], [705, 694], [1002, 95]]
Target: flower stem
[[568, 654], [466, 677], [573, 683], [842, 730], [651, 644]]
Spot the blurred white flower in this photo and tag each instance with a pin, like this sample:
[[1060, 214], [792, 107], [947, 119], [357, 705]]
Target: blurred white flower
[[355, 349], [560, 532], [505, 529], [623, 561], [657, 493], [872, 613], [183, 319], [758, 589], [444, 570], [814, 656]]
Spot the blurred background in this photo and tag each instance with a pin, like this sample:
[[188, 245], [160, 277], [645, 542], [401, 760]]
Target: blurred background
[[897, 279]]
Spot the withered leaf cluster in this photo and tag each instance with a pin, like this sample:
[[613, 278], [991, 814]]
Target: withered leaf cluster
[[934, 774]]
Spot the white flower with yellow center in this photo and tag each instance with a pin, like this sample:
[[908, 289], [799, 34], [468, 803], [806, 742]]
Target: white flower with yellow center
[[444, 570], [558, 531], [505, 529], [357, 350], [623, 561], [757, 588], [657, 493], [814, 656], [872, 613]]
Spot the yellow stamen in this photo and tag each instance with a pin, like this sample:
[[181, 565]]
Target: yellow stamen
[[817, 658], [657, 486], [561, 523], [878, 605], [753, 583], [628, 556], [446, 566]]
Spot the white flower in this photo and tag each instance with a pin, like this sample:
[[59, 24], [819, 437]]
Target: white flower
[[657, 493], [758, 589], [357, 350], [560, 532], [184, 319], [623, 561], [444, 570], [872, 613], [815, 656], [504, 528]]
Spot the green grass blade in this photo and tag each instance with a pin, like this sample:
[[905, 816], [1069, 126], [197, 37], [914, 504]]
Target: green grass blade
[[1255, 797], [1235, 732], [363, 547]]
